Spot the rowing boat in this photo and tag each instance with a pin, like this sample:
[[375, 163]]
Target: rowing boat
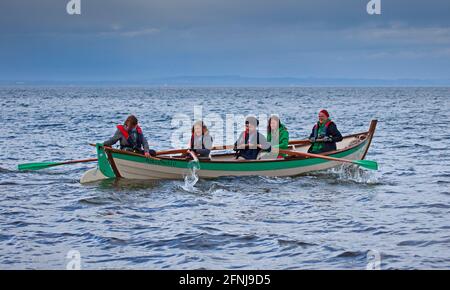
[[114, 163]]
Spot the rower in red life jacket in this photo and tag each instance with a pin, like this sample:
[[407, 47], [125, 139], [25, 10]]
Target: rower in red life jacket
[[201, 141], [131, 138], [324, 134]]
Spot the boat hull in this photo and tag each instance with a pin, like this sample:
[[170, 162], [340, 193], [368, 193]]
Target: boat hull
[[134, 166]]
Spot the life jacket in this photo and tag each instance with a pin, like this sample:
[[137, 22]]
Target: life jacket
[[192, 142], [248, 153], [247, 137], [135, 145], [316, 127]]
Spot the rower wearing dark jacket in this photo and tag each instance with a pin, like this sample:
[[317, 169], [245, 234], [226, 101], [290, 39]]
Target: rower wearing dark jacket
[[251, 142], [131, 138], [324, 134]]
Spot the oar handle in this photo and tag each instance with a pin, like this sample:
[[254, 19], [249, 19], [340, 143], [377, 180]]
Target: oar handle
[[194, 156], [223, 147], [173, 151]]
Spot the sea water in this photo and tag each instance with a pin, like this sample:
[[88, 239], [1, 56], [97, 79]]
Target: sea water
[[337, 219]]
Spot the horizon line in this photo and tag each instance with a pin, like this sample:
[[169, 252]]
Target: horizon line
[[237, 80]]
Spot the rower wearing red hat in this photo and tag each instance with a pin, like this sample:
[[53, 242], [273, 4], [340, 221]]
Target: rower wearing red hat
[[324, 134]]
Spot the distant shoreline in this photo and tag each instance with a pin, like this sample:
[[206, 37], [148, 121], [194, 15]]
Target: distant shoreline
[[237, 81]]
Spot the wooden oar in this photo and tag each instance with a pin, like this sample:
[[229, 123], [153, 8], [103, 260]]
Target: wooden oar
[[42, 165], [223, 147], [293, 142], [172, 151], [363, 163], [299, 142], [194, 156]]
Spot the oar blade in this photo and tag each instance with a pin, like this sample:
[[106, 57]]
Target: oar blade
[[36, 166], [369, 164]]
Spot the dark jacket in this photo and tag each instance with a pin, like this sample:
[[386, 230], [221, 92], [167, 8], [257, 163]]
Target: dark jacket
[[255, 139], [330, 131]]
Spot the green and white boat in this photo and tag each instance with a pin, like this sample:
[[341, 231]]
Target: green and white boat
[[114, 163]]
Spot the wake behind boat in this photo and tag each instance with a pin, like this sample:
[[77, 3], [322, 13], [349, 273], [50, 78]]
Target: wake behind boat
[[114, 163]]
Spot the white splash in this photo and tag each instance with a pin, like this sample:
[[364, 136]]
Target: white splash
[[191, 177], [356, 174]]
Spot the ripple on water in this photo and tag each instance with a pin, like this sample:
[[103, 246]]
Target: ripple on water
[[99, 200], [290, 244], [351, 254], [5, 170]]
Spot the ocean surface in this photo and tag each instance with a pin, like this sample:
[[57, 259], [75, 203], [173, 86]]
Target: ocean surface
[[345, 218]]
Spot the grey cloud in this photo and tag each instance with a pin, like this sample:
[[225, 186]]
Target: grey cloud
[[115, 38], [22, 16]]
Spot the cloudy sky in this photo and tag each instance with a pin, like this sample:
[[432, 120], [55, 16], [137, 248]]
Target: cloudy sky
[[141, 39]]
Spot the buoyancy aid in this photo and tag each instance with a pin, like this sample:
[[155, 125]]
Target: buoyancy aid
[[135, 145], [192, 142], [248, 153], [316, 127], [247, 137]]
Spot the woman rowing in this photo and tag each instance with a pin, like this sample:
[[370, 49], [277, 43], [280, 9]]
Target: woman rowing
[[131, 138], [201, 142], [278, 136], [324, 134], [250, 142]]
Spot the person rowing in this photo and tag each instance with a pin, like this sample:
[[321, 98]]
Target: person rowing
[[200, 142], [131, 138], [278, 136], [250, 142], [324, 134]]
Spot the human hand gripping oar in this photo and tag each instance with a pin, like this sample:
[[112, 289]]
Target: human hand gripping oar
[[194, 156], [42, 165], [363, 163]]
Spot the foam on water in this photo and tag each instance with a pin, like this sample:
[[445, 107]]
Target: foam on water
[[191, 177], [354, 173]]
